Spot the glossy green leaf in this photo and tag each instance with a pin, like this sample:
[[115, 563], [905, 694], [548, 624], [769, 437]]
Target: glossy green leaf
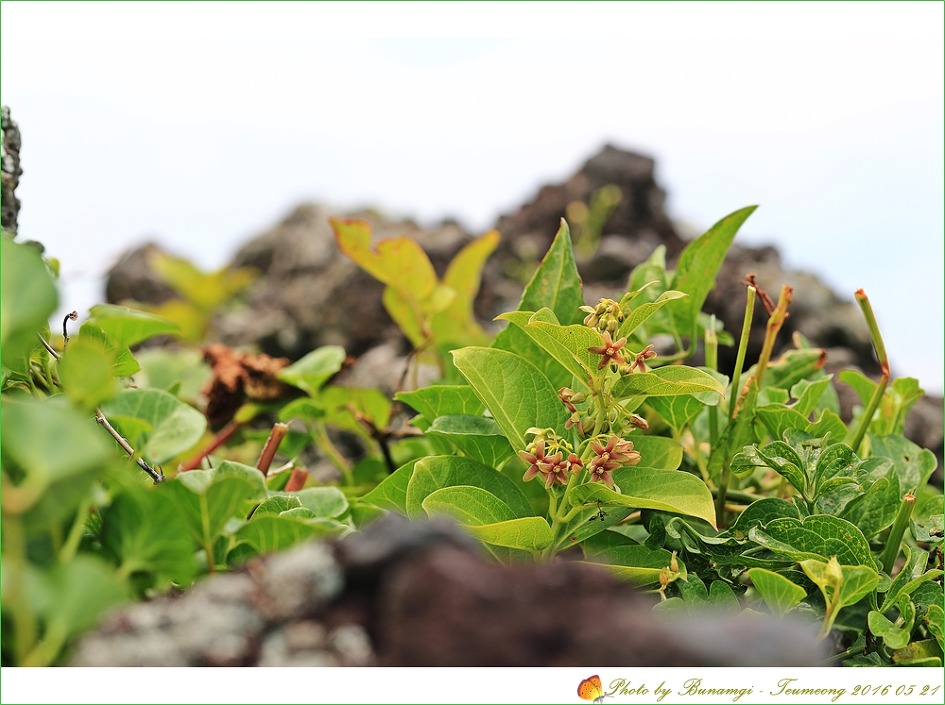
[[808, 393], [391, 492], [516, 393], [668, 381], [556, 285], [171, 426], [649, 488], [323, 502], [842, 585], [566, 344], [269, 533], [629, 561], [524, 533], [210, 498], [478, 437], [658, 452], [141, 529], [126, 327], [277, 504], [469, 505], [641, 313], [913, 574], [876, 508], [914, 465], [779, 594], [760, 512], [443, 400], [436, 472], [778, 456], [895, 635], [699, 264], [815, 537], [313, 370]]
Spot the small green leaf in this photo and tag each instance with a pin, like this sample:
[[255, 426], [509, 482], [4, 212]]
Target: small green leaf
[[912, 575], [470, 506], [210, 498], [126, 327], [478, 437], [895, 635], [641, 313], [842, 585], [516, 393], [556, 285], [815, 537], [171, 426], [699, 264], [648, 488], [277, 504], [85, 371], [140, 530], [443, 400], [269, 533], [568, 345], [313, 370], [436, 472], [323, 502], [524, 533], [760, 512], [778, 593], [668, 381]]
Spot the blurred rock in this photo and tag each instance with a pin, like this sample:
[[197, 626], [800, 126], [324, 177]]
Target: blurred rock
[[11, 170], [132, 278]]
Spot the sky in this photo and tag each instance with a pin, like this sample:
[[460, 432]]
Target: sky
[[200, 125]]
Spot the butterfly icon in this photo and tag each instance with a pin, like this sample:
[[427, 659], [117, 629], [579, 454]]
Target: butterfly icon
[[591, 689]]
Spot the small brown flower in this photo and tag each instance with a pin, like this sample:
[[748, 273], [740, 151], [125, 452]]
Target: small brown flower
[[609, 351]]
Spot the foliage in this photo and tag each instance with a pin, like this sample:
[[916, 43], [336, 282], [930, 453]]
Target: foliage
[[578, 430]]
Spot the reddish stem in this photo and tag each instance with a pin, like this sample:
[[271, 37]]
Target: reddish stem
[[226, 433], [296, 480], [272, 445]]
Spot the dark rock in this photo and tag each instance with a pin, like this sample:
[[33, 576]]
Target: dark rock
[[11, 170], [132, 278]]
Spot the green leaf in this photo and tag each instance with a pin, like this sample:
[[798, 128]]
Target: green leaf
[[205, 290], [778, 456], [649, 488], [895, 635], [140, 528], [28, 298], [469, 505], [876, 508], [443, 400], [808, 394], [277, 504], [313, 370], [210, 498], [85, 371], [391, 492], [478, 437], [668, 381], [170, 426], [912, 575], [638, 565], [126, 327], [641, 313], [180, 369], [436, 472], [72, 597], [815, 537], [842, 585], [270, 533], [556, 285], [926, 521], [51, 455], [914, 465], [524, 533], [516, 393], [779, 594], [323, 502], [760, 512], [699, 264], [566, 344], [680, 410], [658, 452], [124, 364]]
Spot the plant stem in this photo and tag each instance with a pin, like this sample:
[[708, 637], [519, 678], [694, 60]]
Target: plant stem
[[712, 362], [14, 569], [894, 540], [320, 435], [742, 351], [103, 422], [775, 322], [225, 434], [272, 445], [71, 544], [876, 338]]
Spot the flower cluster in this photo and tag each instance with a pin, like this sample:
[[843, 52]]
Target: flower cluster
[[550, 458], [617, 452], [606, 316]]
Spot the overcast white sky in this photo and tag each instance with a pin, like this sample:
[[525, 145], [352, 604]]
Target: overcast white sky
[[203, 124]]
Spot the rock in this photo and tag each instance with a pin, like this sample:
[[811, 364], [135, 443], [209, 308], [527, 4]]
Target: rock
[[11, 169], [132, 278]]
